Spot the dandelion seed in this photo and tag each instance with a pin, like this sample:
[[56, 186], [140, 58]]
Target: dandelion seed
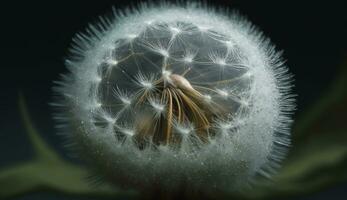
[[166, 74], [131, 36], [184, 129], [248, 74], [221, 62], [229, 44], [123, 96], [97, 105], [244, 102], [145, 81], [203, 28], [164, 52], [218, 59], [112, 62], [157, 106], [207, 98], [97, 79], [109, 119], [189, 56], [149, 22], [222, 92], [128, 132], [146, 84], [175, 30], [188, 59]]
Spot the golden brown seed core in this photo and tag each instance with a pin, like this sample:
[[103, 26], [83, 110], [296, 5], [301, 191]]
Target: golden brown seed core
[[180, 82], [183, 105]]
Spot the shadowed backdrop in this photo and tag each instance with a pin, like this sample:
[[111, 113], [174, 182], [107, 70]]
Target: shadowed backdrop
[[35, 36]]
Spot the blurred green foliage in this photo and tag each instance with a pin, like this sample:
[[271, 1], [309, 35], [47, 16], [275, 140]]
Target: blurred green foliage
[[318, 159], [47, 171]]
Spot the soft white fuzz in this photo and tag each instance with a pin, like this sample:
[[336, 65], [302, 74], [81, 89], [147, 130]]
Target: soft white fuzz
[[115, 61]]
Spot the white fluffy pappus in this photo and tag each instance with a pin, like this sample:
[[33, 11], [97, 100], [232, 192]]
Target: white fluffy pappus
[[175, 96]]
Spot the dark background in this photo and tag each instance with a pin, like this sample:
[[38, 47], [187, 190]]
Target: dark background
[[35, 36]]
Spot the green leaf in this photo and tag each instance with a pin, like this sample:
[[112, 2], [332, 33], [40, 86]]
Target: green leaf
[[322, 163], [327, 114], [47, 171]]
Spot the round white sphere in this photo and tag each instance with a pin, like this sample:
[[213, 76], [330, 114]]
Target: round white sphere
[[176, 96]]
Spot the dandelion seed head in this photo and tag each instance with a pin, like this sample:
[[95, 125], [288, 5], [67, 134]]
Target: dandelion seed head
[[177, 96]]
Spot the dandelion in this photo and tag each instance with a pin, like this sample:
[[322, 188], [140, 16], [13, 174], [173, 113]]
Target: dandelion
[[170, 97]]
